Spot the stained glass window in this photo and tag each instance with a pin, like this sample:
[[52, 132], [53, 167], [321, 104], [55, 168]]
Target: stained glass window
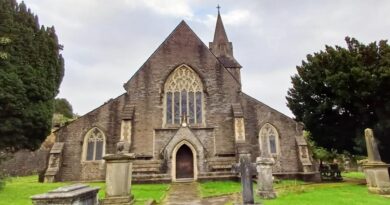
[[184, 96], [94, 145], [176, 107], [191, 107], [198, 106], [269, 139], [184, 103], [169, 108], [272, 144]]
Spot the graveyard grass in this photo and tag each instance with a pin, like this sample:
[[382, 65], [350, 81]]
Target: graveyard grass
[[351, 192], [19, 189], [353, 175]]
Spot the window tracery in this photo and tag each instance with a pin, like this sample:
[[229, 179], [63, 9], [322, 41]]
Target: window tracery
[[94, 145], [183, 96], [270, 136]]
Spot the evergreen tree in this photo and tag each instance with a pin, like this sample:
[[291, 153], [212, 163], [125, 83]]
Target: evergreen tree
[[31, 70], [62, 106], [339, 92]]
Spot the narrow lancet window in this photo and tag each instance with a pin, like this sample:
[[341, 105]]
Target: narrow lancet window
[[191, 107], [169, 108], [199, 106], [177, 107]]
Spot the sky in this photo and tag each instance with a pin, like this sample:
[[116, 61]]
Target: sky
[[106, 41]]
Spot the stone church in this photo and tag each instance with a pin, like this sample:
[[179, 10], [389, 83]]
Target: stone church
[[183, 116]]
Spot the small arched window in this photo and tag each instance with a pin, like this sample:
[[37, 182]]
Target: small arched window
[[94, 145], [270, 136], [183, 97]]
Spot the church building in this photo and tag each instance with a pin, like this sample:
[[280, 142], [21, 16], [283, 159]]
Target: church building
[[183, 115]]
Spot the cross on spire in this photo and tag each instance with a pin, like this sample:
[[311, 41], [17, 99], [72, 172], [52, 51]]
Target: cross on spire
[[218, 7]]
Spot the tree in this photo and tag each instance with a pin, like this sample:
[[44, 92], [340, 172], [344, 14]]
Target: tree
[[31, 70], [62, 106], [339, 92]]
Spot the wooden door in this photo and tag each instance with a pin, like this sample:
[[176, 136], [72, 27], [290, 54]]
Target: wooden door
[[184, 163]]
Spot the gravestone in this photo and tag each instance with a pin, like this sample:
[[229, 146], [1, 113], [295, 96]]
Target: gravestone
[[264, 177], [246, 169], [55, 161], [77, 194], [375, 170], [264, 172], [118, 178]]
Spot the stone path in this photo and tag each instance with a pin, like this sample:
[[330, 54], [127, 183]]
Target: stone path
[[188, 194]]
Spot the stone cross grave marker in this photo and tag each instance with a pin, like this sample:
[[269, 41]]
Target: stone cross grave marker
[[246, 169]]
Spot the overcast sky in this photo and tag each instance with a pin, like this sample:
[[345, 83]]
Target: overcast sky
[[106, 41]]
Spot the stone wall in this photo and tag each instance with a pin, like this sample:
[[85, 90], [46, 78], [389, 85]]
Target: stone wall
[[145, 92], [106, 118], [256, 115], [25, 162]]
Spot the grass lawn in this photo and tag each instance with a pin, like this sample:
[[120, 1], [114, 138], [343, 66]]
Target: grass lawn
[[328, 194], [301, 193], [353, 175], [218, 188], [19, 189]]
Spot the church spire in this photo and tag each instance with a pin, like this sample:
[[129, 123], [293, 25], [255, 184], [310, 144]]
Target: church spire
[[221, 47], [220, 33]]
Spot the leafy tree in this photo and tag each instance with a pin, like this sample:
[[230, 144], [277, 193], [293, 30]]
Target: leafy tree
[[31, 70], [339, 92], [62, 106]]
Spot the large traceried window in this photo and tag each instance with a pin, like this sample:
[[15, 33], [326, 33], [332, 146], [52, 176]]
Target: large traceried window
[[183, 97], [94, 145], [269, 139]]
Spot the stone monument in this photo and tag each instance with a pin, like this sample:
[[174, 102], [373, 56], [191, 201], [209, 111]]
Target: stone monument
[[264, 173], [118, 177], [246, 169], [376, 172], [264, 177], [55, 161], [75, 194]]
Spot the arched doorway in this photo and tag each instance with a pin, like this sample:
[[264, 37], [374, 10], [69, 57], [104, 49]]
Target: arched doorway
[[184, 162]]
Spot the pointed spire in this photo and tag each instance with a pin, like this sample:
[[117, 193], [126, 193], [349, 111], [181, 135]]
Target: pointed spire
[[221, 47], [220, 33]]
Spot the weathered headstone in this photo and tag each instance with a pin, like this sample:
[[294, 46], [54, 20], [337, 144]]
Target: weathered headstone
[[118, 178], [376, 172], [55, 162], [264, 177], [246, 169], [264, 172], [372, 147], [77, 194]]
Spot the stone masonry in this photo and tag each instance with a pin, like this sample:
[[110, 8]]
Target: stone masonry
[[140, 111]]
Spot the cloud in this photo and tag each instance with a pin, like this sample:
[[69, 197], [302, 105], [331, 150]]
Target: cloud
[[105, 42]]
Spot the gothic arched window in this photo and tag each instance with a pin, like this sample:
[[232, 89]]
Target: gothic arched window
[[183, 97], [94, 145], [269, 139]]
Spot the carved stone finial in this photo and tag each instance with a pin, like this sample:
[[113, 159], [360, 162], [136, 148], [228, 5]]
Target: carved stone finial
[[184, 120]]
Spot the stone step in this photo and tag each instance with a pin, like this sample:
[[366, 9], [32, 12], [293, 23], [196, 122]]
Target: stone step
[[146, 170], [221, 159], [152, 178], [141, 162]]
